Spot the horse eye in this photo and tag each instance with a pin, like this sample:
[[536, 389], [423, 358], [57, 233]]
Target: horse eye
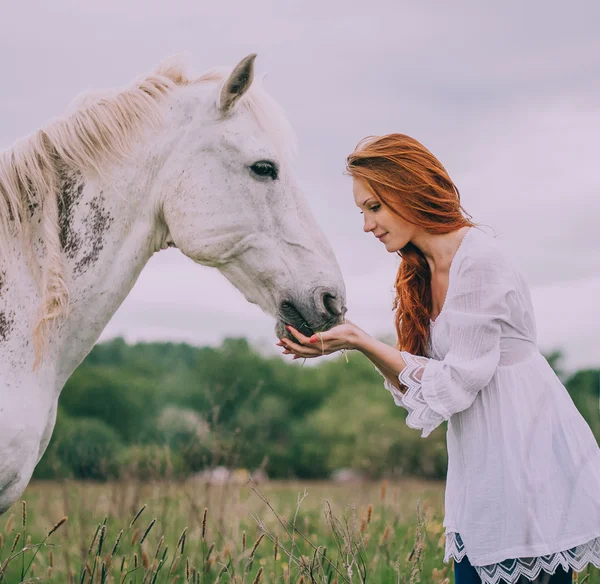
[[264, 169]]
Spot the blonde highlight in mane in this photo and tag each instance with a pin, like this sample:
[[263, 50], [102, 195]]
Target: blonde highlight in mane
[[97, 133]]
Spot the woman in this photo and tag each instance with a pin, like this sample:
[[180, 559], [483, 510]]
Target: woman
[[523, 487]]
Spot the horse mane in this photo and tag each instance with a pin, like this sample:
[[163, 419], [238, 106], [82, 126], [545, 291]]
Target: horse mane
[[102, 128]]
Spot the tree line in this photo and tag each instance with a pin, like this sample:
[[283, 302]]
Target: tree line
[[156, 410]]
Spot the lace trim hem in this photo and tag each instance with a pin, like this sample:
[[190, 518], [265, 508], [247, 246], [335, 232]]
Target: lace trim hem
[[455, 548], [509, 571]]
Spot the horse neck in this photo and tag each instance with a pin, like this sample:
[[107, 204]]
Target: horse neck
[[107, 235]]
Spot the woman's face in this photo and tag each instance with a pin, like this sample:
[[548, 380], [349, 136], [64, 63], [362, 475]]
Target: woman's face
[[393, 231]]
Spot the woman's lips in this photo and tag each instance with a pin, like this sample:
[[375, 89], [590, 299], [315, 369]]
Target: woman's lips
[[380, 237]]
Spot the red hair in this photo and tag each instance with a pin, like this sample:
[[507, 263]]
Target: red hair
[[411, 182]]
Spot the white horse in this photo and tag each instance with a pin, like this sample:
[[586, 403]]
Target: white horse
[[201, 165]]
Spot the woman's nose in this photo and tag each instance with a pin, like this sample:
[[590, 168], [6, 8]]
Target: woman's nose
[[369, 225]]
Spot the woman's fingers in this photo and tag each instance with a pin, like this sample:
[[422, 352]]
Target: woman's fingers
[[300, 349], [298, 335], [309, 347], [335, 334], [320, 338], [317, 340]]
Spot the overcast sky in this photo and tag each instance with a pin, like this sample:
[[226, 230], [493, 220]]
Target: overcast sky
[[505, 94]]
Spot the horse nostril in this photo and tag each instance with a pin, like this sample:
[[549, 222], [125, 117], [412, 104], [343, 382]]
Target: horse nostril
[[331, 304]]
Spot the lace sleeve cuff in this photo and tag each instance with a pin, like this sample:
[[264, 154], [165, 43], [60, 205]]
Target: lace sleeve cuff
[[396, 393], [420, 415]]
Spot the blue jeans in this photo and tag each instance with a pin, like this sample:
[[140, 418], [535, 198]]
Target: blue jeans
[[464, 573]]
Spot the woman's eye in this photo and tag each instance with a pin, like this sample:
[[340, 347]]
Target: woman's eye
[[375, 208], [264, 169]]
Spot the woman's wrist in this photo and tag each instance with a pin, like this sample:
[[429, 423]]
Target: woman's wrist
[[360, 340]]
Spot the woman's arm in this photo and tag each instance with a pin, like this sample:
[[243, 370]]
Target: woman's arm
[[387, 359], [437, 389], [349, 336]]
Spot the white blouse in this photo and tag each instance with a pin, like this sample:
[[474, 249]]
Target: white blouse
[[523, 484]]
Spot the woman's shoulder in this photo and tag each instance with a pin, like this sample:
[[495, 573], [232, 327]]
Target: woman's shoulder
[[482, 251], [487, 270]]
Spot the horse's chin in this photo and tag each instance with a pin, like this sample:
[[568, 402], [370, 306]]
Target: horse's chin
[[282, 332], [303, 328]]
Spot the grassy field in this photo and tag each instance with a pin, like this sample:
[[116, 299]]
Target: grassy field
[[198, 532]]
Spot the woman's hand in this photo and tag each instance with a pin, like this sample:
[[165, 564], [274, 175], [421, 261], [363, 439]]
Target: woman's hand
[[343, 336]]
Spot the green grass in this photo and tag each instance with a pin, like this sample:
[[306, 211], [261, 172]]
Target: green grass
[[198, 532]]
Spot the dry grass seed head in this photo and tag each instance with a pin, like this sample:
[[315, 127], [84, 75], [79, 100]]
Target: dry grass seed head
[[221, 572], [256, 544], [258, 576], [93, 540], [175, 565], [101, 539], [137, 515], [15, 542], [58, 525], [116, 544], [383, 491], [181, 540], [150, 526], [204, 522], [386, 535]]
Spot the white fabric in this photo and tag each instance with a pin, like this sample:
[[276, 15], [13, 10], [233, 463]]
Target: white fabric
[[523, 465]]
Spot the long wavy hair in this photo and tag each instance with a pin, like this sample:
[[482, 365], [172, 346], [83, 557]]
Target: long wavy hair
[[411, 182]]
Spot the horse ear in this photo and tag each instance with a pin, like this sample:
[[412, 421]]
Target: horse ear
[[237, 84]]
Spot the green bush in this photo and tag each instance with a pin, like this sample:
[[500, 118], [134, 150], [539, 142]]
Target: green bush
[[150, 462], [181, 409], [51, 466], [122, 400], [87, 449]]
